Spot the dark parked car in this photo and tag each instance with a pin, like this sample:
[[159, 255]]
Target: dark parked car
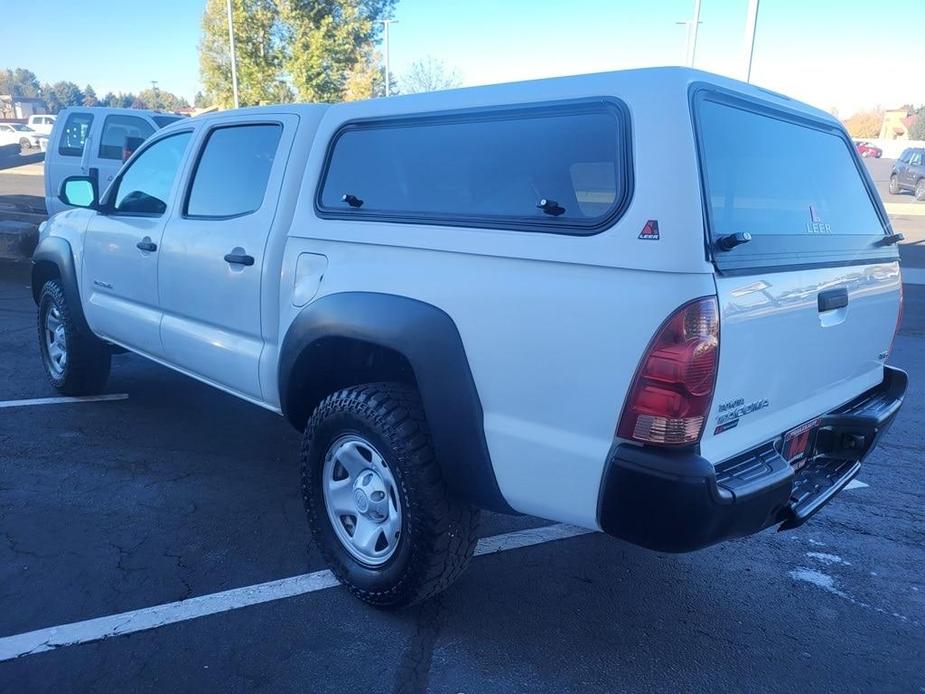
[[909, 173], [865, 149]]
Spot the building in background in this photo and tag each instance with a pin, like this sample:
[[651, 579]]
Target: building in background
[[896, 124], [21, 107]]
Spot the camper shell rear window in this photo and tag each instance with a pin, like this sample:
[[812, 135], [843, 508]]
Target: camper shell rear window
[[793, 183]]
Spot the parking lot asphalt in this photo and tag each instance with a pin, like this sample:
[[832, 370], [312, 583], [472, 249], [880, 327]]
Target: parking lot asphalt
[[180, 491]]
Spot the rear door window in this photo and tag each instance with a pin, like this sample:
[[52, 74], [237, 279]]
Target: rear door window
[[233, 169], [551, 168], [119, 131], [793, 184], [76, 130]]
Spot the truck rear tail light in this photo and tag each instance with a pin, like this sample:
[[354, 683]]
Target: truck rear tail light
[[671, 393]]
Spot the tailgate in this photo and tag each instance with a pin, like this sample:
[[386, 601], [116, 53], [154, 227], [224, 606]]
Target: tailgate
[[809, 292], [794, 345]]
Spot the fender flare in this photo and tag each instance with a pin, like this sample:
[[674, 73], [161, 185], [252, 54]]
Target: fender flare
[[56, 251], [428, 339]]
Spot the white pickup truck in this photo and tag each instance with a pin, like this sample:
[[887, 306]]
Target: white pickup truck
[[609, 300]]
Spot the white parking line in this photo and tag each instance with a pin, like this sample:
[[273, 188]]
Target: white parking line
[[62, 400], [41, 640]]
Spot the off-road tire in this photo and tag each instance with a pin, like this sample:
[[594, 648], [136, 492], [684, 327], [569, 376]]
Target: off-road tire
[[438, 533], [88, 357], [894, 185]]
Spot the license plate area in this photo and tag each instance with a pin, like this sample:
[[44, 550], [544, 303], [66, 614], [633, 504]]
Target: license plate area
[[799, 443]]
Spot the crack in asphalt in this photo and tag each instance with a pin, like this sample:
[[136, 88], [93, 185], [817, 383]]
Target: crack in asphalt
[[414, 665]]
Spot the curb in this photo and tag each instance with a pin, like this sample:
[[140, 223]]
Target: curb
[[905, 209]]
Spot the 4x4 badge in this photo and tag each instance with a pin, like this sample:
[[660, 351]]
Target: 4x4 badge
[[650, 231]]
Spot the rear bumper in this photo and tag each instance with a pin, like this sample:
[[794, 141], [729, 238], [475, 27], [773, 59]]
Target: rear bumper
[[677, 501]]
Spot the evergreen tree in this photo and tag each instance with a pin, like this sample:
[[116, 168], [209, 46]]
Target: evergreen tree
[[90, 97]]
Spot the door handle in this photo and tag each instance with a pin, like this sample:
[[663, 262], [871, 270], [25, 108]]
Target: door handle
[[239, 259], [146, 244], [832, 299]]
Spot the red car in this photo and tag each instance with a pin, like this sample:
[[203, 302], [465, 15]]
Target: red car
[[865, 149]]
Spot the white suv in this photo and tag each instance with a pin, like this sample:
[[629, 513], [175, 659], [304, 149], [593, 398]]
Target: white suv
[[610, 300]]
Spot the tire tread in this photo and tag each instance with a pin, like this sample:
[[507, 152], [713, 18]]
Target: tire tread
[[88, 358], [445, 529]]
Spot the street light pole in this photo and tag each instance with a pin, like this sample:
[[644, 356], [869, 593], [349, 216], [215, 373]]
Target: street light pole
[[154, 92], [234, 68], [388, 71], [692, 35], [692, 26], [751, 24]]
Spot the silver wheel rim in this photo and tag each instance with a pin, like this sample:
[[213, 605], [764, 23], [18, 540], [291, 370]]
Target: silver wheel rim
[[55, 341], [361, 498]]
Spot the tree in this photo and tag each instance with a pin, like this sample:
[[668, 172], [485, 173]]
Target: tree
[[366, 80], [259, 49], [62, 95], [865, 123], [162, 100], [119, 100], [313, 48], [429, 75], [279, 93], [90, 97], [331, 42], [201, 100], [19, 82], [917, 129]]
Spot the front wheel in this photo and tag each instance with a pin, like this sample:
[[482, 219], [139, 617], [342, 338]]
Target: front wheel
[[377, 505], [894, 185], [25, 144], [76, 363], [920, 190]]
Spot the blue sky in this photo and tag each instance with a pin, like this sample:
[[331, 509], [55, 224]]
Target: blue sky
[[837, 53]]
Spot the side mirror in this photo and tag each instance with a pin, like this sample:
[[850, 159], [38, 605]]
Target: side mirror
[[79, 191]]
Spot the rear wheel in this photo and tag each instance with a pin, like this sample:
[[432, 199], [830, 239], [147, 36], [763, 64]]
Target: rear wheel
[[76, 363], [920, 190], [376, 502], [894, 185]]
